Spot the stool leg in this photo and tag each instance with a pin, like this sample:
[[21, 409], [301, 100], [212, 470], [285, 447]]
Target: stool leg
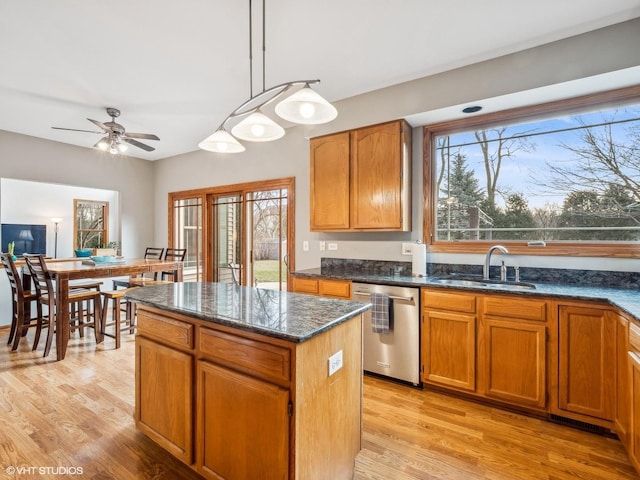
[[116, 317]]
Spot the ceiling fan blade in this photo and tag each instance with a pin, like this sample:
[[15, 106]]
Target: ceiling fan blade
[[138, 144], [100, 124], [146, 136], [75, 130]]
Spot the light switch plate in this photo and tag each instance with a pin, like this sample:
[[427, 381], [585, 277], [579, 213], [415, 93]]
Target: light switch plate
[[333, 246], [322, 246], [335, 362], [407, 248], [305, 246]]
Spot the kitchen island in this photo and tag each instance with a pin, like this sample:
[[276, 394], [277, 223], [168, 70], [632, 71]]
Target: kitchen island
[[244, 382]]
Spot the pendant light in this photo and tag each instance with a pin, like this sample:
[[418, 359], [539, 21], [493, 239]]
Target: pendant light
[[298, 103]]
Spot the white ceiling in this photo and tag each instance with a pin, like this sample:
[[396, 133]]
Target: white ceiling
[[178, 68]]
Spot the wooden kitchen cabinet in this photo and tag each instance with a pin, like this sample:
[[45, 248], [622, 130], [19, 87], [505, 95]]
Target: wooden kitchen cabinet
[[587, 361], [513, 340], [360, 180], [633, 393], [321, 286], [223, 397], [449, 339], [164, 392], [622, 416], [491, 346], [234, 404]]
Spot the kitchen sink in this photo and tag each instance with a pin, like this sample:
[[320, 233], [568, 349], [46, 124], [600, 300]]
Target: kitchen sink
[[497, 284]]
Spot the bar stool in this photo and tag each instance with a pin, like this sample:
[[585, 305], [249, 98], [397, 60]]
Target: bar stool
[[116, 296], [21, 304], [47, 296]]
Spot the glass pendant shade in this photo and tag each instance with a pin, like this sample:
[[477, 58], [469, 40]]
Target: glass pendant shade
[[221, 141], [257, 127], [306, 107], [103, 144]]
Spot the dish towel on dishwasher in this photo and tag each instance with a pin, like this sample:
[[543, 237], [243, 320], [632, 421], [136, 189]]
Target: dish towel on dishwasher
[[380, 313]]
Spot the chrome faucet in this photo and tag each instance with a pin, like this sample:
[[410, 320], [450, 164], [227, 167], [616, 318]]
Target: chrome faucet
[[487, 260]]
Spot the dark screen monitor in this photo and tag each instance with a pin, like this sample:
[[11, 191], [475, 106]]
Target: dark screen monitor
[[27, 238]]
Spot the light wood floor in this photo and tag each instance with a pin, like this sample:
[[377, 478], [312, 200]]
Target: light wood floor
[[77, 414]]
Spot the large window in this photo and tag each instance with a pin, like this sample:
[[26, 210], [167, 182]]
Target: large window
[[549, 178]]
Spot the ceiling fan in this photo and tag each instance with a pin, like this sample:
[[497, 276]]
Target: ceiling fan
[[115, 135]]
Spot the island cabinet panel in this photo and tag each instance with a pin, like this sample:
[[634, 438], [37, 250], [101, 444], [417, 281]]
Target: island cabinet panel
[[241, 405], [242, 427], [164, 396], [329, 188], [360, 179], [263, 360], [587, 361], [514, 360], [328, 404]]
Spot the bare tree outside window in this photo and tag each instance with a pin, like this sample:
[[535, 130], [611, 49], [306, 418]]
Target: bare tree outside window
[[569, 178], [91, 224]]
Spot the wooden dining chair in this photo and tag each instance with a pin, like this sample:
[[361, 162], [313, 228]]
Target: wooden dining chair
[[47, 297], [21, 304], [151, 253], [175, 254]]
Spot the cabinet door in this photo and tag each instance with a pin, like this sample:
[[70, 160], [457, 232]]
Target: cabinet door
[[377, 177], [449, 349], [634, 430], [621, 419], [587, 361], [514, 361], [242, 426], [164, 397], [329, 189]]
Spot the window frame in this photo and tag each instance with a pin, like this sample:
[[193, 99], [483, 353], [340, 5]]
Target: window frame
[[569, 106], [105, 221]]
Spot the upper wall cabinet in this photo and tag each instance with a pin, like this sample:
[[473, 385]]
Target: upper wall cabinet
[[360, 180]]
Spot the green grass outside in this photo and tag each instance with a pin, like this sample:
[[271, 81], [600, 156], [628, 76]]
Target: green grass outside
[[266, 270]]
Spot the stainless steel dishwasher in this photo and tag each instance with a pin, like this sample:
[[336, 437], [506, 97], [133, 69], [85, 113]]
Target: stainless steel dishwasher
[[395, 354]]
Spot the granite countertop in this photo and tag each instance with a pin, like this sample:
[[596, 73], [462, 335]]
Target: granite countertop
[[288, 316], [628, 300]]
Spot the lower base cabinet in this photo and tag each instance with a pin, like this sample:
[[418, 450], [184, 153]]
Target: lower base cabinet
[[258, 443], [514, 362], [237, 405], [164, 393]]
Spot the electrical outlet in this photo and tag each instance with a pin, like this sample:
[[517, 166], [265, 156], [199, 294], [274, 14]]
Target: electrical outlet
[[407, 248], [322, 246], [305, 246], [333, 246], [335, 362]]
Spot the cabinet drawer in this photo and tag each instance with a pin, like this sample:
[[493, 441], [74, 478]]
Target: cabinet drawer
[[304, 285], [454, 301], [634, 338], [256, 358], [335, 288], [167, 329], [512, 307]]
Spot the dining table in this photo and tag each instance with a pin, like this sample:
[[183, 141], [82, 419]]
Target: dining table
[[63, 271]]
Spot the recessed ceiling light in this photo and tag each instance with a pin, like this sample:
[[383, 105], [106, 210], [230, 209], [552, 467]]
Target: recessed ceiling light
[[472, 109]]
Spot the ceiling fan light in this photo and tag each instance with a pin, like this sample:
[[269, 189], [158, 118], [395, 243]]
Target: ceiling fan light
[[122, 147], [306, 107], [257, 127], [103, 144], [221, 141], [113, 150]]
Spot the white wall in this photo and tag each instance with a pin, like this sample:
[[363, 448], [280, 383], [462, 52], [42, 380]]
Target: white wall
[[607, 50], [36, 160], [36, 203]]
